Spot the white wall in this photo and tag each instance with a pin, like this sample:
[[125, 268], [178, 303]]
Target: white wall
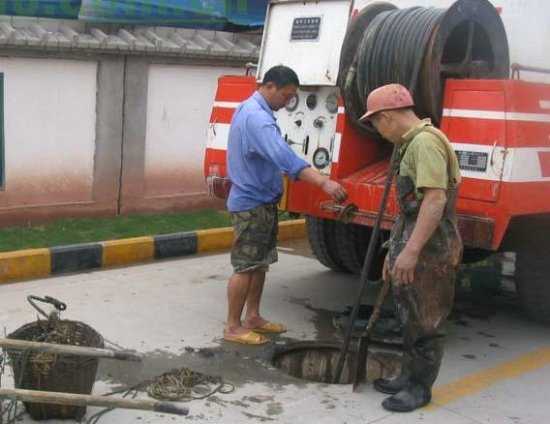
[[179, 103], [50, 117]]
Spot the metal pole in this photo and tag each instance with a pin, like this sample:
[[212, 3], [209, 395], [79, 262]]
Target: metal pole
[[35, 396], [91, 352], [366, 267]]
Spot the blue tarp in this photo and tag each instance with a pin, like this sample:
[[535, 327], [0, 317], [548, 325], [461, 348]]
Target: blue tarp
[[63, 9], [207, 14], [214, 14]]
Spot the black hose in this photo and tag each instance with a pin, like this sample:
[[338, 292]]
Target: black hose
[[391, 50], [419, 48]]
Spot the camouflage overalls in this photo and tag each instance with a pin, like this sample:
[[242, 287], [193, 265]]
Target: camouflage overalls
[[424, 305]]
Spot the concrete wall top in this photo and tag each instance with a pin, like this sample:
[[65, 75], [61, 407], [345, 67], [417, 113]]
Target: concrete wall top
[[66, 35]]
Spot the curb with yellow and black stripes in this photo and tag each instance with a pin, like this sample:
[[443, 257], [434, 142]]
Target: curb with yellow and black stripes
[[37, 263]]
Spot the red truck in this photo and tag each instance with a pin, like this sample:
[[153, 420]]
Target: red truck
[[498, 123]]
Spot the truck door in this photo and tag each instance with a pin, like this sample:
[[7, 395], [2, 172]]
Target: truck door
[[474, 119]]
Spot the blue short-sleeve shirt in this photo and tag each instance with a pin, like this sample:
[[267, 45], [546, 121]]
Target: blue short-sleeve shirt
[[257, 155]]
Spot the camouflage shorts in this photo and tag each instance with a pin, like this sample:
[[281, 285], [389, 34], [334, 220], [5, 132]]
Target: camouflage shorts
[[255, 245]]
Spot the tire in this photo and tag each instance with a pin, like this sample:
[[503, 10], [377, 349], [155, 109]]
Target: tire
[[322, 239], [353, 241], [472, 256], [533, 282]]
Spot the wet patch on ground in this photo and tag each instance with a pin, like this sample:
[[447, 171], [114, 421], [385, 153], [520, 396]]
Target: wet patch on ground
[[323, 319], [235, 364]]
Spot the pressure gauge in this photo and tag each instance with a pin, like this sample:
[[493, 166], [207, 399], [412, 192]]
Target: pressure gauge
[[321, 158], [332, 103], [292, 104], [311, 101]]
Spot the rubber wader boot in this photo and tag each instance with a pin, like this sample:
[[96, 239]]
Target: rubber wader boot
[[412, 397], [392, 386]]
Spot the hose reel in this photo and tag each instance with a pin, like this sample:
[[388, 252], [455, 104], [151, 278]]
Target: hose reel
[[385, 44]]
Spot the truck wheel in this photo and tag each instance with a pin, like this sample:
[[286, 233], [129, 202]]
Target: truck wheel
[[322, 239], [471, 256], [353, 241], [533, 282]]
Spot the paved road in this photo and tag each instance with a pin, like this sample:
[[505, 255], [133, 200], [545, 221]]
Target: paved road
[[495, 369]]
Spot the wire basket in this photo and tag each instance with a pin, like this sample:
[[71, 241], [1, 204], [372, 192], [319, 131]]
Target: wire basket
[[55, 372]]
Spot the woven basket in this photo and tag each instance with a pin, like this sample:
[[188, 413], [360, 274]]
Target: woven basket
[[55, 372]]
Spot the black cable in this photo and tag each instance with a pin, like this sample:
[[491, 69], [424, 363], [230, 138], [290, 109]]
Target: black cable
[[393, 47], [391, 50]]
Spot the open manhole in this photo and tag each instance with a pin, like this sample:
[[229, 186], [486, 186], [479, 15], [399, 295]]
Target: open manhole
[[314, 361], [317, 361]]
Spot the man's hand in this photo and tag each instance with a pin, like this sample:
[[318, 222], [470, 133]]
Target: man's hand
[[403, 269], [429, 216], [334, 190]]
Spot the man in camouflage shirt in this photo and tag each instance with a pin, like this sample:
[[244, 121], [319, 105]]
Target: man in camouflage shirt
[[425, 248]]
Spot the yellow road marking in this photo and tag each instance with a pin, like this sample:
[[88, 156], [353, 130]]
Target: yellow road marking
[[479, 381]]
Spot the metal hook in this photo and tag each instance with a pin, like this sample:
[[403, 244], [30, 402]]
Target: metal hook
[[60, 306]]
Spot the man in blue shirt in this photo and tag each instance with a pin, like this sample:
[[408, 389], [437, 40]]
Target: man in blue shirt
[[257, 155]]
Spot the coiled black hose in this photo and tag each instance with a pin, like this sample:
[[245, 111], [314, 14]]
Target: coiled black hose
[[391, 51], [393, 48], [416, 47]]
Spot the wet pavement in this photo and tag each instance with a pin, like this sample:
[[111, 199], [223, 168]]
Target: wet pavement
[[495, 369]]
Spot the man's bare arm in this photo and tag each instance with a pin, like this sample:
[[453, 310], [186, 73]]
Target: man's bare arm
[[429, 216], [332, 188]]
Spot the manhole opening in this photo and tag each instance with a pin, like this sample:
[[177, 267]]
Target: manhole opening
[[313, 361], [317, 361]]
